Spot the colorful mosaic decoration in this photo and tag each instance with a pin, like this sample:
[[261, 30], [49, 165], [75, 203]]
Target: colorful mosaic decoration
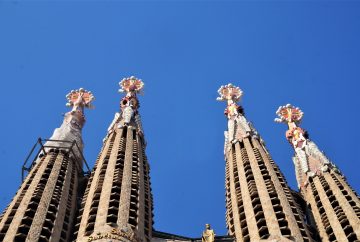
[[229, 92], [289, 114], [238, 126], [129, 104], [131, 85], [309, 160], [79, 98]]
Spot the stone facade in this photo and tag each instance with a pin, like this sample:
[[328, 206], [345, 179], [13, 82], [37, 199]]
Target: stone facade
[[259, 203], [118, 203], [166, 237], [44, 207], [334, 204]]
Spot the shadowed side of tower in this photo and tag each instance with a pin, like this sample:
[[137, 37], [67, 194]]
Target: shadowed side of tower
[[117, 204], [259, 204], [44, 207], [334, 204]]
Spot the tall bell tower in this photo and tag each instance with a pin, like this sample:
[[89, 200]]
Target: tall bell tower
[[259, 204], [334, 204], [117, 204], [44, 207]]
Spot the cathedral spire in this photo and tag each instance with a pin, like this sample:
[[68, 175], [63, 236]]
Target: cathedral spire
[[79, 99], [74, 120], [117, 204], [129, 104], [238, 126], [309, 160], [334, 204], [44, 207], [259, 203]]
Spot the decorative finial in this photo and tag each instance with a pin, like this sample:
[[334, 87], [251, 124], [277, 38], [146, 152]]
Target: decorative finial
[[229, 92], [70, 129], [309, 160], [292, 116], [78, 99], [238, 127], [129, 104], [131, 85], [289, 114]]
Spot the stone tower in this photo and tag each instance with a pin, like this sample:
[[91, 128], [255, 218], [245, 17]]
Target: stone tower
[[334, 204], [259, 204], [44, 207], [117, 204]]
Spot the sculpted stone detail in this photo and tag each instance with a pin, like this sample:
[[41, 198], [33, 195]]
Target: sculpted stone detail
[[118, 202], [125, 234], [208, 235], [129, 104], [131, 85], [115, 120], [238, 126], [70, 129], [128, 111], [309, 160]]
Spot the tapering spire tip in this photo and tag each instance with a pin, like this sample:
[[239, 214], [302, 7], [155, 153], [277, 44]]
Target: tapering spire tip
[[80, 98], [229, 92], [131, 85], [289, 114]]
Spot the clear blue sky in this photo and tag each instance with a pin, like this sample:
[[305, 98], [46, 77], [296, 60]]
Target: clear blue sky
[[302, 52]]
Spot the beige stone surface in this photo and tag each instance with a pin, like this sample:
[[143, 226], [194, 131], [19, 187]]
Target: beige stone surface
[[350, 213], [284, 201], [331, 213], [245, 195], [103, 208], [283, 194], [11, 232], [19, 215], [234, 199], [94, 183], [132, 171], [58, 225], [124, 207], [269, 213], [46, 199]]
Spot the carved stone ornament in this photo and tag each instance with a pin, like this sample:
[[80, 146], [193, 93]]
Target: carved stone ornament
[[129, 104], [289, 114], [309, 160], [125, 234], [70, 129], [80, 98], [208, 234], [131, 85], [238, 126], [229, 92]]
